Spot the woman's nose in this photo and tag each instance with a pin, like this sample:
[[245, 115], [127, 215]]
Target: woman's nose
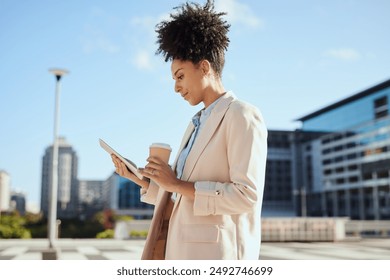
[[177, 88]]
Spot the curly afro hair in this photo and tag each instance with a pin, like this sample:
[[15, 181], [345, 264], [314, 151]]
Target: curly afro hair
[[194, 33]]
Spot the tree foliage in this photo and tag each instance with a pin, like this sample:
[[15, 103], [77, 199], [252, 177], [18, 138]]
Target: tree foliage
[[13, 226]]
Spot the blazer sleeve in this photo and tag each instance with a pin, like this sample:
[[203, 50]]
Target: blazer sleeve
[[246, 138], [149, 195]]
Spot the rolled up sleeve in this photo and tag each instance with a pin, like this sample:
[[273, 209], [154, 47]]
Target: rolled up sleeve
[[213, 198], [205, 198], [149, 195]]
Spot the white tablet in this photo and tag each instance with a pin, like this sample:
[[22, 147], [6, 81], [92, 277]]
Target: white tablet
[[130, 165]]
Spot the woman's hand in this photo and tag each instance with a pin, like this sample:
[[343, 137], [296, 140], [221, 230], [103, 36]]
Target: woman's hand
[[122, 170], [161, 173]]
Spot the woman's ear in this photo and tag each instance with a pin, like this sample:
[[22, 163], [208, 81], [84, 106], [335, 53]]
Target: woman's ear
[[205, 66]]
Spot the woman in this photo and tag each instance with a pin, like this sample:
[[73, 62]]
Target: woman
[[208, 205]]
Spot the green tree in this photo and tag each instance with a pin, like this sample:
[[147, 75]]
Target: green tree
[[13, 226]]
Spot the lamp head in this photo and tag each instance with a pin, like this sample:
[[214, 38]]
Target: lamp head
[[58, 72]]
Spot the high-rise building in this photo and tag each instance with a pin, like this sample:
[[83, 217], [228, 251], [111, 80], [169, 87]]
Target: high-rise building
[[129, 198], [91, 197], [278, 199], [5, 190], [347, 169], [18, 202], [111, 192], [337, 164], [283, 177], [123, 196], [67, 199]]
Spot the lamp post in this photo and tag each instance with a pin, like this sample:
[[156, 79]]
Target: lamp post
[[302, 198], [303, 202], [52, 225]]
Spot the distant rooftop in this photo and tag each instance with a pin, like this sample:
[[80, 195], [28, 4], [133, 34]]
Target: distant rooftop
[[347, 100], [62, 142]]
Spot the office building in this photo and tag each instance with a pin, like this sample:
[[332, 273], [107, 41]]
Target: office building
[[123, 196], [67, 199], [111, 192], [346, 171], [129, 199], [18, 202], [283, 178], [91, 198], [278, 200], [115, 193]]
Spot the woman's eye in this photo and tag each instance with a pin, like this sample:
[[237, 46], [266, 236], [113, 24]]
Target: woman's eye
[[180, 77]]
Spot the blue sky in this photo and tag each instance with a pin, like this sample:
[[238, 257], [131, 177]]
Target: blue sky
[[288, 58]]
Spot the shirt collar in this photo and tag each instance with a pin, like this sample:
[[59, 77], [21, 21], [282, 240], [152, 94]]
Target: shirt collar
[[203, 114]]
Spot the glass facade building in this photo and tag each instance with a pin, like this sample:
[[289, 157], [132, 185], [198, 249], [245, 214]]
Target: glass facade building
[[285, 172], [91, 198], [347, 169], [129, 200]]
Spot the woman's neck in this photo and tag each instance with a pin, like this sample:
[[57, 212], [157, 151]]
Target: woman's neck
[[214, 93]]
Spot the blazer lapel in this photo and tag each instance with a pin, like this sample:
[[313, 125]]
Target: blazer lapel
[[206, 133]]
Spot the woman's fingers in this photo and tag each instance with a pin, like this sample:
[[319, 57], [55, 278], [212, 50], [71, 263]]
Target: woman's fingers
[[120, 167], [115, 160]]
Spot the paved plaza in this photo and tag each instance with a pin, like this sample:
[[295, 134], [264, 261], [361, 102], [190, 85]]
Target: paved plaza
[[364, 249], [97, 249]]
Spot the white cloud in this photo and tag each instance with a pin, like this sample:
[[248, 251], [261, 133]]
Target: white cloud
[[239, 13], [144, 37], [143, 60], [146, 22], [345, 54], [149, 23]]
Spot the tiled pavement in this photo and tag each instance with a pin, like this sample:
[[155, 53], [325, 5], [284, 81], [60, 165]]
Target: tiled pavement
[[97, 249], [72, 249], [364, 249]]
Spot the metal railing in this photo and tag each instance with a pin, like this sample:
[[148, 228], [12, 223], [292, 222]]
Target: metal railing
[[364, 228], [302, 229], [292, 229]]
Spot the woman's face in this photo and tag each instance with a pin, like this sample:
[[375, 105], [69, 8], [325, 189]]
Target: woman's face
[[190, 80]]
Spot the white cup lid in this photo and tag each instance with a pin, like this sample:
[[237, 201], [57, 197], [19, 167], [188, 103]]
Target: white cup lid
[[161, 145]]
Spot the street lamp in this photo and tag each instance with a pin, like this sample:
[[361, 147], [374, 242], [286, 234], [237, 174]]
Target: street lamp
[[302, 197], [52, 225], [303, 202]]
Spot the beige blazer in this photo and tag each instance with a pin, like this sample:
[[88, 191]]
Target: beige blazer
[[227, 163]]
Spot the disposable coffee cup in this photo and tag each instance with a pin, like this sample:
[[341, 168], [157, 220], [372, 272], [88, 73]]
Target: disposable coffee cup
[[161, 151]]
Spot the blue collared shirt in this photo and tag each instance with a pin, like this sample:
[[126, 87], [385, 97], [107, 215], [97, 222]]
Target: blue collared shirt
[[198, 120]]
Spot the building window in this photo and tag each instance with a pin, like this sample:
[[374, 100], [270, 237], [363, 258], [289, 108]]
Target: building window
[[353, 179], [380, 107], [338, 159], [351, 156], [340, 181], [340, 170], [338, 148], [350, 145], [327, 171]]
